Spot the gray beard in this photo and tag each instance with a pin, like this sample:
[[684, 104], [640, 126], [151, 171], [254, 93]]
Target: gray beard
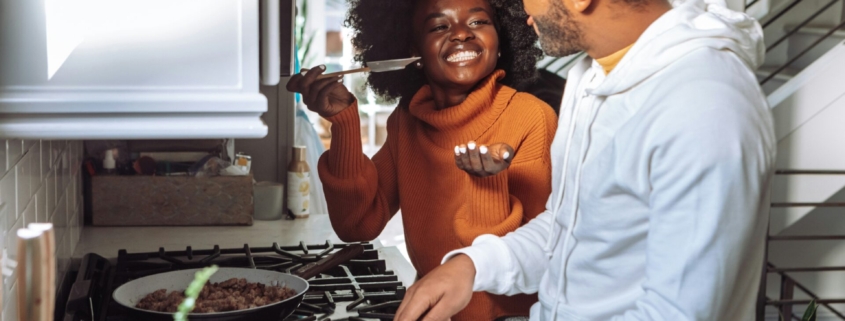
[[559, 35]]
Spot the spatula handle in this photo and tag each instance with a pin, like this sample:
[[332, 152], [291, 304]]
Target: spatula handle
[[344, 72]]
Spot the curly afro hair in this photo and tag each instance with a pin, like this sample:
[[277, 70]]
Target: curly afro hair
[[383, 31]]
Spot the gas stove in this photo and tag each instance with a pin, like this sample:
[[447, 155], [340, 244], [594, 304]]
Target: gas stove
[[362, 289]]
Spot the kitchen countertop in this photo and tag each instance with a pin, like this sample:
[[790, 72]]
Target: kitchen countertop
[[106, 241]]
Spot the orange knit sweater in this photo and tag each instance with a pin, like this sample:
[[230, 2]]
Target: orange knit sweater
[[443, 208]]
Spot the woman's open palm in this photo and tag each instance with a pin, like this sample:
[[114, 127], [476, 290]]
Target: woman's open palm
[[483, 160]]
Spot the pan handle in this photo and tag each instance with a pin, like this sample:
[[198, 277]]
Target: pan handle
[[313, 269]]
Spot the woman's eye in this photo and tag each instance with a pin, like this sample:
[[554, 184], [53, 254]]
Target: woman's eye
[[480, 22], [438, 28]]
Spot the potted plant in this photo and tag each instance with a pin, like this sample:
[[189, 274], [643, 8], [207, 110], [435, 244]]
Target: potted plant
[[809, 314]]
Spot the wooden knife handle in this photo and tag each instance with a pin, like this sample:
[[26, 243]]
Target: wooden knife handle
[[332, 260], [33, 290], [49, 262]]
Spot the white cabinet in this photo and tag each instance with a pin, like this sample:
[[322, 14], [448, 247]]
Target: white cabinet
[[130, 69]]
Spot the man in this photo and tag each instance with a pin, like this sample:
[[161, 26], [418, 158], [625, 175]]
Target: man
[[661, 167]]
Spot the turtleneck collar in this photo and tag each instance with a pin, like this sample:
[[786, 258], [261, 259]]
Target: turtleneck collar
[[468, 120]]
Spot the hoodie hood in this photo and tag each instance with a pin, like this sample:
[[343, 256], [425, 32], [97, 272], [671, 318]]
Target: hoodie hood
[[689, 26]]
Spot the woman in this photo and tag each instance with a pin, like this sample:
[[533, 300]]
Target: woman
[[456, 115]]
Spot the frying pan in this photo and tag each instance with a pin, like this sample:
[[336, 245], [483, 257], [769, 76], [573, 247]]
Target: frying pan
[[130, 293]]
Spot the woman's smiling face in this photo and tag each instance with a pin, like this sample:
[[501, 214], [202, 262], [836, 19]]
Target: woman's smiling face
[[457, 40]]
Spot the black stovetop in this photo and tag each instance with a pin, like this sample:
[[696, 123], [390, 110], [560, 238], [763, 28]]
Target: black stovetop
[[362, 289]]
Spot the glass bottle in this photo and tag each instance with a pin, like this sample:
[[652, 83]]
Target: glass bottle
[[299, 183]]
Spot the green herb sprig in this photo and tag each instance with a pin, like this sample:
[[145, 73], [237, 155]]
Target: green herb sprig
[[809, 313], [193, 292]]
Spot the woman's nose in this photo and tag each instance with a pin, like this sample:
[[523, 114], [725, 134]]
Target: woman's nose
[[462, 33]]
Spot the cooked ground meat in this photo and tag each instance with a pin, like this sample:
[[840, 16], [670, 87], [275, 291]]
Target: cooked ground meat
[[230, 295]]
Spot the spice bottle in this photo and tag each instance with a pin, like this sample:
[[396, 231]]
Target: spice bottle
[[299, 183], [243, 161], [108, 163]]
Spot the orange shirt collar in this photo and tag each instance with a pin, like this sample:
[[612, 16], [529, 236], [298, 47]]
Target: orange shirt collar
[[609, 62]]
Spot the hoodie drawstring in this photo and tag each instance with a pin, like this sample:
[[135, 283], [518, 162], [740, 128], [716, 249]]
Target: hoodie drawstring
[[553, 230], [561, 284]]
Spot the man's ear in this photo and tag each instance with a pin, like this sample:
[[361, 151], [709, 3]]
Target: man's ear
[[578, 5]]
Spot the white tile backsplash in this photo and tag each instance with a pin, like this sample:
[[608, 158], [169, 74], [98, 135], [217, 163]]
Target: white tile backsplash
[[9, 196], [59, 218], [55, 150], [11, 241], [50, 182], [23, 183], [79, 155], [10, 308], [3, 155], [80, 217], [44, 160], [28, 215], [12, 250], [35, 167], [41, 204], [40, 181], [49, 154], [60, 178], [14, 150], [63, 253], [3, 227], [29, 143], [72, 196]]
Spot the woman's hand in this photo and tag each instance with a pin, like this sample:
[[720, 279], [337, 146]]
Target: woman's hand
[[326, 97], [482, 160]]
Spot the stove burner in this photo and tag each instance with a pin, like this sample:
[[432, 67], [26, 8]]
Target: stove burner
[[362, 289]]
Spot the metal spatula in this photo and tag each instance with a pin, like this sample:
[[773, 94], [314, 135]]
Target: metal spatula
[[374, 66]]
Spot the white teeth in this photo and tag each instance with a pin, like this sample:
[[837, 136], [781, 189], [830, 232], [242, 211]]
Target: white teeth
[[462, 56]]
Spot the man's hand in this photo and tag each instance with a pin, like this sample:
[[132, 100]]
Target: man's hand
[[441, 294], [482, 160]]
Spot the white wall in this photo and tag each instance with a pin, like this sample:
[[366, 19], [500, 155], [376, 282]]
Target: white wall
[[39, 182], [809, 113]]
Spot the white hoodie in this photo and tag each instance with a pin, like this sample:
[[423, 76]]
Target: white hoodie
[[661, 169]]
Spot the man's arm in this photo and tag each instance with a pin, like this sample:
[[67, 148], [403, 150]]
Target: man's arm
[[509, 265], [710, 171], [512, 264]]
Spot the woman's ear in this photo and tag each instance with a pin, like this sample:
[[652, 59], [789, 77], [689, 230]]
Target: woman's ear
[[414, 53]]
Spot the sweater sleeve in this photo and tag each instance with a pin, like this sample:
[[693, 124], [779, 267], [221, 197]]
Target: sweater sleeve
[[499, 204], [363, 193]]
